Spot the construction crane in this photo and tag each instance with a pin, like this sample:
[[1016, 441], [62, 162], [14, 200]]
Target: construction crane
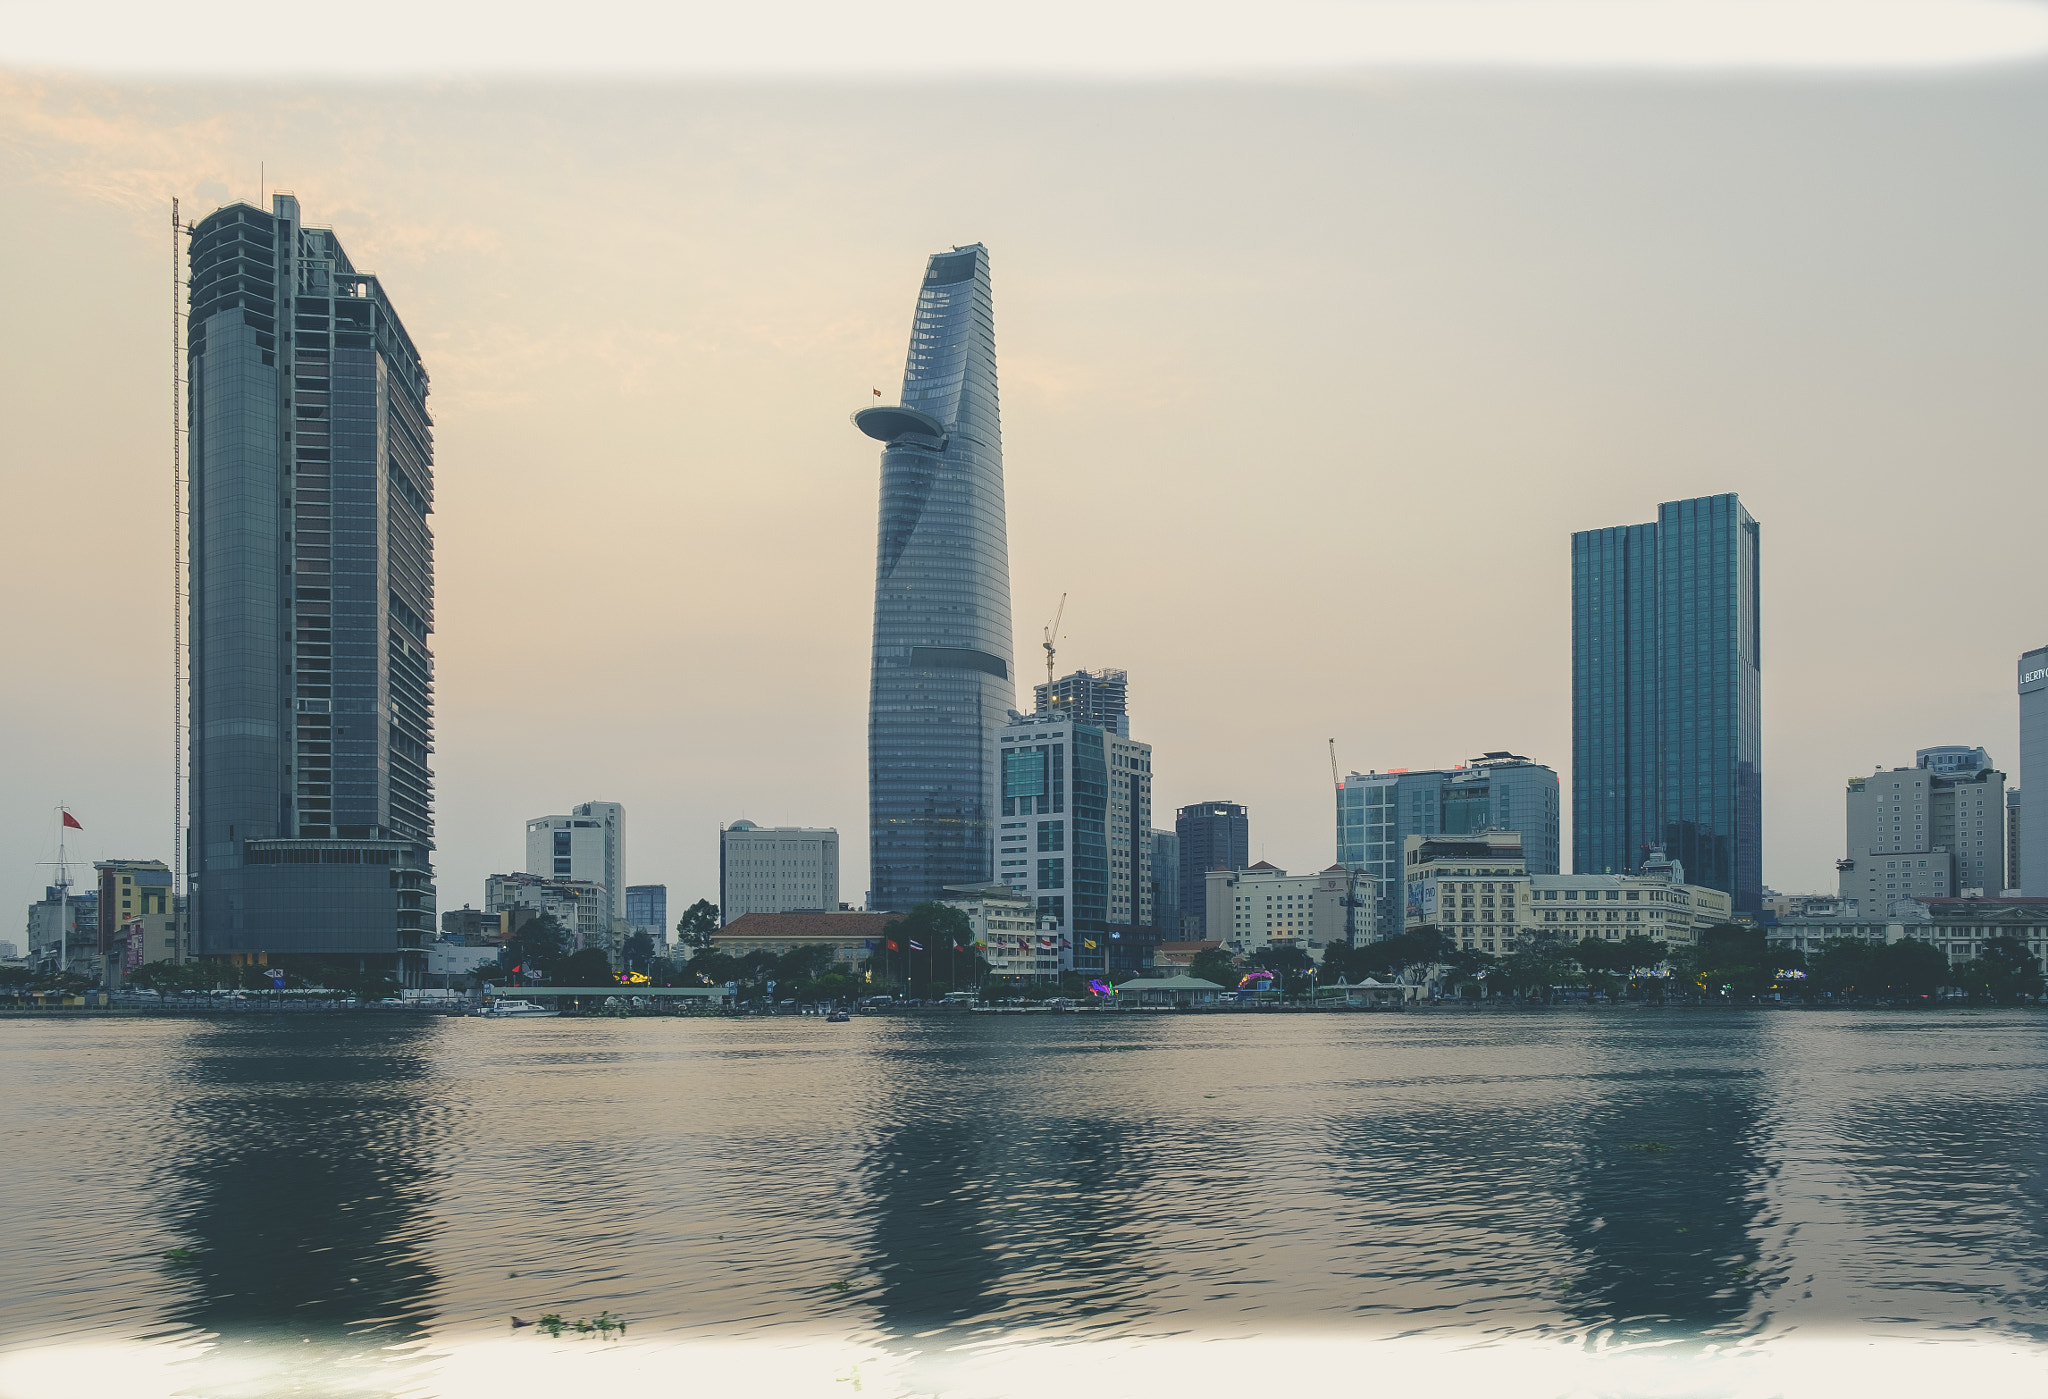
[[1052, 634], [1351, 886]]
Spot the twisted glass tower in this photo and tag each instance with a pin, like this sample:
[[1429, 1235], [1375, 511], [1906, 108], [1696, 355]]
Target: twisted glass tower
[[942, 684]]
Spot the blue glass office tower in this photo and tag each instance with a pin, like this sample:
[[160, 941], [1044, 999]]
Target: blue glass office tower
[[1667, 696], [312, 599], [942, 683]]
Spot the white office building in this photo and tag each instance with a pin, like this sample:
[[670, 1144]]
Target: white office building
[[588, 844], [776, 869], [1255, 908]]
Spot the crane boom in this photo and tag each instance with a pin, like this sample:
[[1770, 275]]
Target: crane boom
[[1052, 634]]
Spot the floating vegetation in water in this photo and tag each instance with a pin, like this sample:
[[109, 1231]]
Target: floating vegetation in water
[[841, 1286], [1650, 1148], [602, 1325], [182, 1255]]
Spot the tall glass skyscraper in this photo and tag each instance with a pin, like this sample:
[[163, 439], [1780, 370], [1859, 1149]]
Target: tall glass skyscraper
[[1667, 696], [312, 600], [942, 684]]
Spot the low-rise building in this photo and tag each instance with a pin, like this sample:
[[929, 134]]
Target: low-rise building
[[1655, 902], [63, 933], [1957, 927], [1014, 938], [582, 908], [850, 936], [1173, 958], [1472, 888], [139, 920], [1251, 909]]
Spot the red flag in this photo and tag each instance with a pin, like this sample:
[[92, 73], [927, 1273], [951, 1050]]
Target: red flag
[[892, 947], [878, 393], [72, 822]]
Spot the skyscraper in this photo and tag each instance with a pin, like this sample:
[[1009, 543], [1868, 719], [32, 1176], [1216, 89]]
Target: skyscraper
[[2031, 847], [942, 679], [1667, 696], [312, 598], [1213, 836]]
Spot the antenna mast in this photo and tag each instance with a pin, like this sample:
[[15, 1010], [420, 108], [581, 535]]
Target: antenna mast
[[177, 578]]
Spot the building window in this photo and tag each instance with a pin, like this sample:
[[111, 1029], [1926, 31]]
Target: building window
[[1052, 874]]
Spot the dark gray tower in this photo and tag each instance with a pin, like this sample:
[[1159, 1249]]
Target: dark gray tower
[[312, 600], [942, 681]]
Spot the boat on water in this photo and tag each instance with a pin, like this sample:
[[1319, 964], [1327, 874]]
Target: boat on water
[[517, 1010]]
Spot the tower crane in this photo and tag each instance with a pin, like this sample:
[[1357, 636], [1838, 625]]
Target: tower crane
[[1052, 634]]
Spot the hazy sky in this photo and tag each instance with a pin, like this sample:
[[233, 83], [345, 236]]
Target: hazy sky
[[1307, 381]]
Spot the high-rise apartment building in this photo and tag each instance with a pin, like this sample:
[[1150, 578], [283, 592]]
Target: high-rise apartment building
[[1074, 829], [312, 601], [1498, 791], [1667, 743], [2032, 876], [942, 683], [588, 844], [1213, 836], [776, 869], [1098, 697], [647, 911]]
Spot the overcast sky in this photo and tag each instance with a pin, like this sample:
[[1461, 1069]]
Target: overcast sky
[[1307, 378]]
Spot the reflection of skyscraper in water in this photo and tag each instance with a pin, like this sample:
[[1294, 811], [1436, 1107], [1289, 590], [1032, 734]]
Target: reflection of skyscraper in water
[[1667, 696], [308, 1211], [942, 682]]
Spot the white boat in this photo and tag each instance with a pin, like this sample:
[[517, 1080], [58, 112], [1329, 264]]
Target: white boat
[[502, 1009]]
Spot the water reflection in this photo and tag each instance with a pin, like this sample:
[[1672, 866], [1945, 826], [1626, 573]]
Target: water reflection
[[1665, 1203], [303, 1181]]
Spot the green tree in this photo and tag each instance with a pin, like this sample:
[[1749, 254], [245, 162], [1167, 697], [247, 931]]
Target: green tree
[[1288, 963], [1911, 970], [14, 979], [2004, 972], [590, 967], [1217, 965], [1342, 962], [364, 983], [936, 930], [698, 923], [1470, 972], [1731, 960], [1844, 967], [538, 947], [639, 951]]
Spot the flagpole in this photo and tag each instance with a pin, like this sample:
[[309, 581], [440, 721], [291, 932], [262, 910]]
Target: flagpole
[[63, 899]]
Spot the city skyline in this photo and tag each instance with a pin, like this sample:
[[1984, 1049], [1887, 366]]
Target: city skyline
[[1132, 395]]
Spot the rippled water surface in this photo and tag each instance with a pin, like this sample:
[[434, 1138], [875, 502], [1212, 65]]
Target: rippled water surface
[[939, 1205]]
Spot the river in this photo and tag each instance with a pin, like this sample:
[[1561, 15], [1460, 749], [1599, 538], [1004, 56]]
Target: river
[[1564, 1201]]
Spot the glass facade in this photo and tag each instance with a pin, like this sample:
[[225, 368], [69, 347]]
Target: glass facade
[[1213, 836], [1667, 696], [943, 680], [1377, 812], [311, 601]]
